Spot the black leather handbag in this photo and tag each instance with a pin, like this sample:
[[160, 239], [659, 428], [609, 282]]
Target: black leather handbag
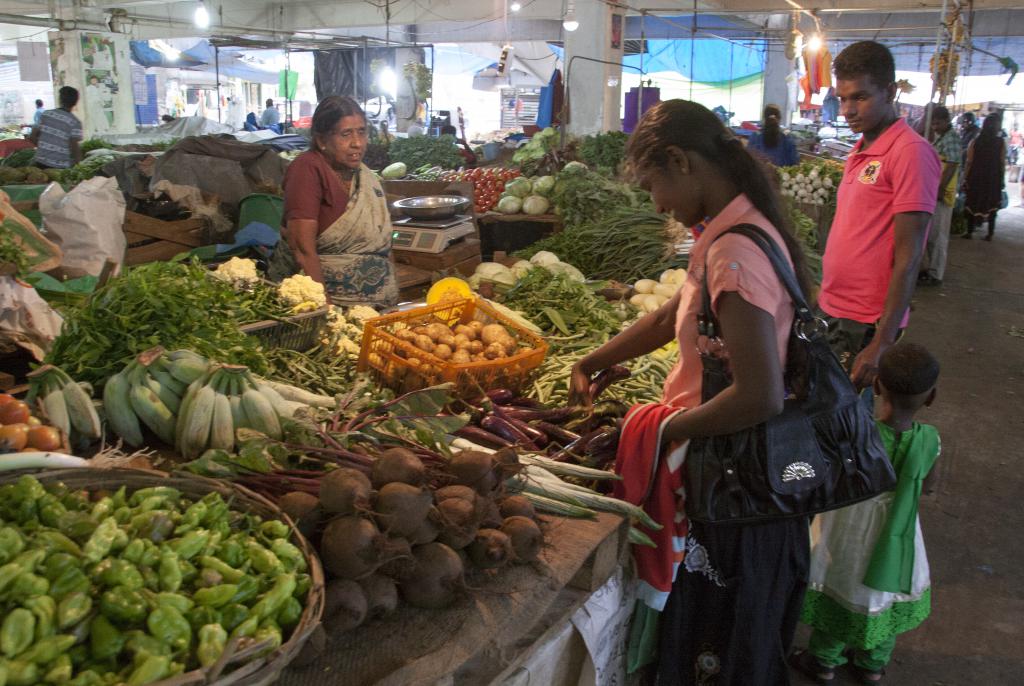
[[821, 453]]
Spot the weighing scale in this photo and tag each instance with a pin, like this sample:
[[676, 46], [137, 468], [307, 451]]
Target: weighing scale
[[430, 235]]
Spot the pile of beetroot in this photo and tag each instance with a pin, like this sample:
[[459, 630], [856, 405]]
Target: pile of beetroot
[[410, 532]]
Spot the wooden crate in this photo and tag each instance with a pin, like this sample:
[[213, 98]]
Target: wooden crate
[[153, 240]]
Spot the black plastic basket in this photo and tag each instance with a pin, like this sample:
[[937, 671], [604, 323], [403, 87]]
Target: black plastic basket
[[298, 332]]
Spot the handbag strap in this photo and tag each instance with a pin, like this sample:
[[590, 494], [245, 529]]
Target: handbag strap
[[706, 322]]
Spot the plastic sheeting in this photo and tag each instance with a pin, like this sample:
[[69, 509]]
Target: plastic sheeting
[[181, 127]]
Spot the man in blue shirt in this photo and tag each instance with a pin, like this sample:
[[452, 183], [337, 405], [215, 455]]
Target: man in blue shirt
[[39, 113], [270, 119], [58, 134]]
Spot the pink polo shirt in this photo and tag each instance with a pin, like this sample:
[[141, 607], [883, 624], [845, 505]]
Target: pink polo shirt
[[899, 172], [733, 264]]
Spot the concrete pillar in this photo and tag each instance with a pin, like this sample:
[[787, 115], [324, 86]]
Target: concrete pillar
[[593, 90], [777, 68], [98, 66]]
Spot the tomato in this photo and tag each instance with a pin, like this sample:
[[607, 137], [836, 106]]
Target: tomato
[[13, 437], [14, 413], [45, 438], [6, 398]]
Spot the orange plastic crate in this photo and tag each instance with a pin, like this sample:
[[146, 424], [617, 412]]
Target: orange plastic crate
[[388, 357]]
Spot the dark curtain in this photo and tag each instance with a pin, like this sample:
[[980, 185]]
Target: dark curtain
[[347, 72]]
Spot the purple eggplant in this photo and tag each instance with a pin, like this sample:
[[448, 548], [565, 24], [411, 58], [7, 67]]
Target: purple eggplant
[[501, 396], [556, 415], [606, 378], [482, 437], [536, 436], [556, 433], [530, 403], [507, 430]]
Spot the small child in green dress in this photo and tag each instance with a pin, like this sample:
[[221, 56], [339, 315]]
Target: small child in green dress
[[869, 577]]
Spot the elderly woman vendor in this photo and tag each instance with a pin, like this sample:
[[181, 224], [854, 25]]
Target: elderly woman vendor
[[337, 228]]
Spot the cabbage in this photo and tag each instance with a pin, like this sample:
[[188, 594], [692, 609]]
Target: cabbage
[[535, 204], [574, 167], [567, 269], [543, 258], [543, 185], [394, 171], [521, 268], [505, 278], [487, 270], [510, 205], [519, 187]]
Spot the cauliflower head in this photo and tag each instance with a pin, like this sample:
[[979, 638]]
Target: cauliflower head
[[238, 271], [302, 293]]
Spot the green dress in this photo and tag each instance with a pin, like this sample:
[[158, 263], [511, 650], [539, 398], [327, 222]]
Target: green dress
[[869, 572]]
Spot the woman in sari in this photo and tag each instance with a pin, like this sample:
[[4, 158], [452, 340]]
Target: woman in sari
[[337, 229]]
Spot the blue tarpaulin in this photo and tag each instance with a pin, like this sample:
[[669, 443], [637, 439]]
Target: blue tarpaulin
[[201, 57], [714, 61]]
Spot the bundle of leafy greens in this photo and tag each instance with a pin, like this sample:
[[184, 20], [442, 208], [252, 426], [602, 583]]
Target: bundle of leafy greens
[[420, 151], [604, 152], [174, 304]]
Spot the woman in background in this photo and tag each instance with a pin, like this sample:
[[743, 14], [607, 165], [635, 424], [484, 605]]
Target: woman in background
[[984, 176], [771, 143]]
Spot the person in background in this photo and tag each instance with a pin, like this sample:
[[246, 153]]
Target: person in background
[[166, 118], [58, 134], [771, 143], [467, 152], [415, 129], [271, 118], [984, 176], [337, 227], [830, 107], [947, 145], [733, 608], [38, 113], [885, 203], [969, 130], [869, 577], [385, 135]]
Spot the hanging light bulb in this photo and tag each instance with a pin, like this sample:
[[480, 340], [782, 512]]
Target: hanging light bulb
[[815, 43], [515, 7], [201, 17], [569, 22]]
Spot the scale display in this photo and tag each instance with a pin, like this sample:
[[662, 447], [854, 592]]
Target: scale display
[[429, 240]]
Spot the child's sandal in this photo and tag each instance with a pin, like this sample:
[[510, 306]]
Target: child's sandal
[[808, 665]]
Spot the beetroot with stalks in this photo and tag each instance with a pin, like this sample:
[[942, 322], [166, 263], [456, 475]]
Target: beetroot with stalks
[[474, 469], [490, 549], [353, 547], [427, 530], [459, 522], [525, 536], [516, 506], [401, 508], [437, 578], [398, 464], [490, 516], [312, 649], [507, 460], [345, 605], [381, 595], [460, 492], [345, 491], [401, 562], [305, 511]]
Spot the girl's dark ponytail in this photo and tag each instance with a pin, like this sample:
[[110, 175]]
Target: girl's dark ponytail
[[690, 126]]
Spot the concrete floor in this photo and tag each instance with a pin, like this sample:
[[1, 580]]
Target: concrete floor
[[974, 521]]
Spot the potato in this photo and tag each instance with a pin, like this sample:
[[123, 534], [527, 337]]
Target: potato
[[461, 356], [421, 331], [443, 351], [424, 343], [645, 286], [494, 351], [665, 290], [476, 347], [461, 340], [468, 331], [447, 339], [476, 326], [438, 331], [405, 335], [493, 333]]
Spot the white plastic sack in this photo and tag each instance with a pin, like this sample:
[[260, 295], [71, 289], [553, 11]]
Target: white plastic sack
[[26, 320], [87, 223]]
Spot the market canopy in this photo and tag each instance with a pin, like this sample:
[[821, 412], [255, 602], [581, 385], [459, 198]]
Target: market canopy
[[203, 57]]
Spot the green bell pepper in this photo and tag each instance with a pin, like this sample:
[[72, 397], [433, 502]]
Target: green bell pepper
[[17, 632], [72, 609], [124, 606], [105, 640]]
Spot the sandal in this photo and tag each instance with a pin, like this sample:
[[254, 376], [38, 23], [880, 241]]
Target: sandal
[[808, 665], [866, 676]]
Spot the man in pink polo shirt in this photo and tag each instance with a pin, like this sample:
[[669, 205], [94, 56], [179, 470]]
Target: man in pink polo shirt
[[884, 206]]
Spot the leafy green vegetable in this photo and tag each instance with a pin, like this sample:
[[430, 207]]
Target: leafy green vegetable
[[86, 169], [93, 144], [533, 158], [19, 158], [583, 196], [12, 256], [174, 304], [560, 305], [604, 151], [806, 232], [624, 245], [420, 151]]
